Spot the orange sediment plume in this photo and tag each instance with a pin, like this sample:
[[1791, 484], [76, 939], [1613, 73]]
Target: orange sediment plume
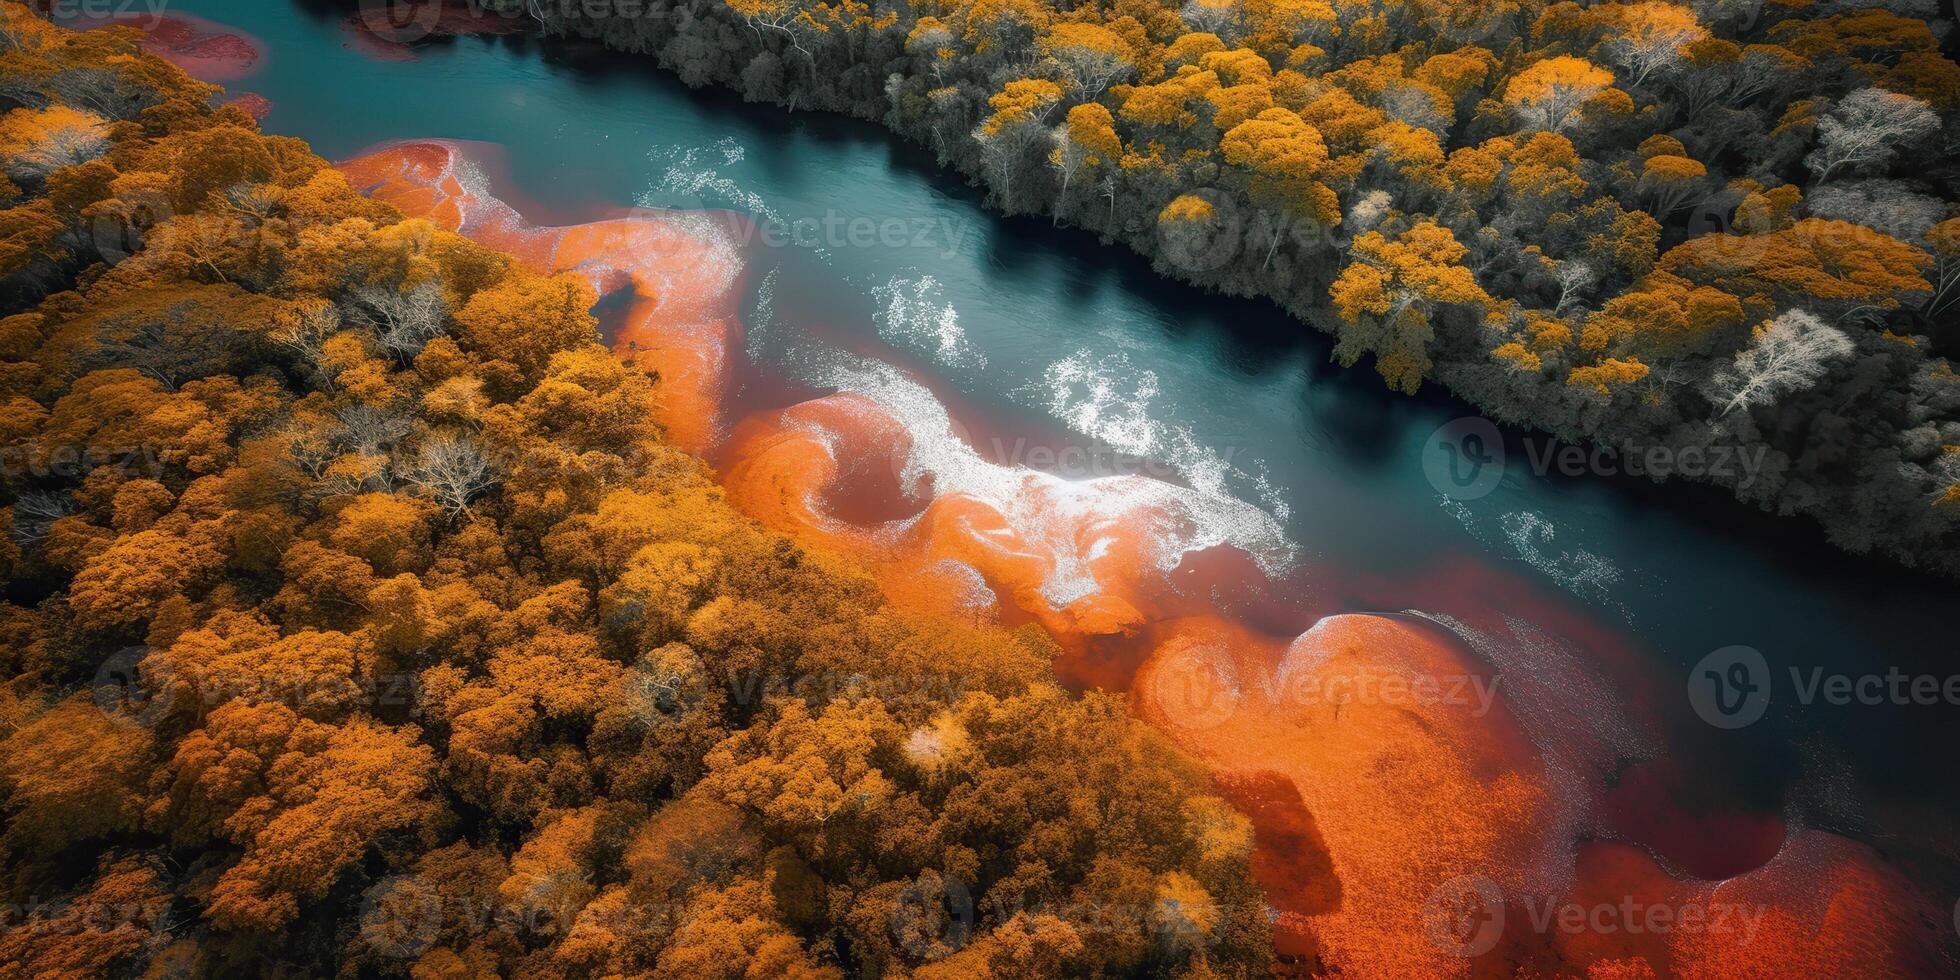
[[1413, 768]]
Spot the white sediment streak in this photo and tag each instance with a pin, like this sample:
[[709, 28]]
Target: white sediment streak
[[1110, 400], [1070, 522]]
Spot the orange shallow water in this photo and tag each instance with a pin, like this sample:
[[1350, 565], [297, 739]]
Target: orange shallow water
[[1390, 768]]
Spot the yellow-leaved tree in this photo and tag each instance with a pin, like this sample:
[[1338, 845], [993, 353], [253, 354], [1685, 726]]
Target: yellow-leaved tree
[[1390, 290]]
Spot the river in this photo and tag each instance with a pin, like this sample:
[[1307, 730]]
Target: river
[[1052, 352]]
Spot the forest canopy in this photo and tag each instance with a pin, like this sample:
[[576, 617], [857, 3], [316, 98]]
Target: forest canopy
[[358, 621]]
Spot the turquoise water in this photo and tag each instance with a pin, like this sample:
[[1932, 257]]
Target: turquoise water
[[1045, 336]]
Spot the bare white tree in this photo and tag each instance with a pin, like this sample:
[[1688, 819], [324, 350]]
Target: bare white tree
[[256, 202], [1093, 68], [370, 431], [1367, 211], [1068, 159], [453, 470], [1945, 276], [1005, 144], [1655, 36], [402, 321], [1889, 206], [1415, 107], [1788, 354], [1867, 128], [34, 511], [927, 42], [1574, 277], [1225, 18], [1732, 83]]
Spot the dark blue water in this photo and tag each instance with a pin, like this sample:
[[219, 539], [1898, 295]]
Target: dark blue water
[[1062, 338]]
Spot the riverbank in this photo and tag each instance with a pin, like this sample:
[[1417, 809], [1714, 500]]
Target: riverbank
[[1862, 453]]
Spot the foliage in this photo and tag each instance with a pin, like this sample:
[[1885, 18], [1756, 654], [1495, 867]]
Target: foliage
[[358, 622]]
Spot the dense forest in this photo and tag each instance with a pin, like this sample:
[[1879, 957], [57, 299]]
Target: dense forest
[[1726, 226], [357, 621]]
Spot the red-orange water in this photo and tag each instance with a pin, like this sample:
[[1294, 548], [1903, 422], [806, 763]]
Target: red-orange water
[[204, 49], [1385, 760]]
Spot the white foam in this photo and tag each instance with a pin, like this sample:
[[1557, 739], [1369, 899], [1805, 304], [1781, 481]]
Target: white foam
[[1072, 522], [1111, 400], [1528, 533], [689, 182], [1583, 572], [913, 313], [760, 324]]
